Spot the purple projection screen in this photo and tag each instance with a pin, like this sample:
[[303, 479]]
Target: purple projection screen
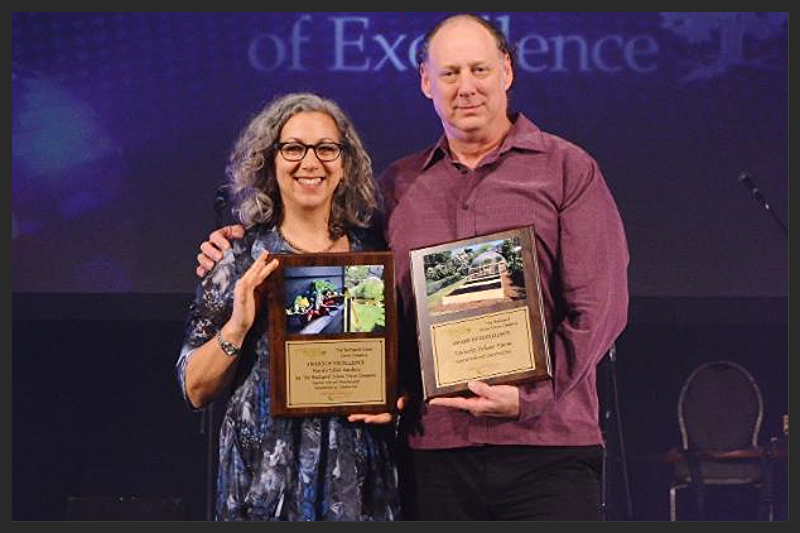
[[122, 123]]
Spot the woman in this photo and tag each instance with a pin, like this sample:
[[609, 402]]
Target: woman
[[303, 183]]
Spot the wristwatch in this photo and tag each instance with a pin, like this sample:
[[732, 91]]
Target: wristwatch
[[228, 347]]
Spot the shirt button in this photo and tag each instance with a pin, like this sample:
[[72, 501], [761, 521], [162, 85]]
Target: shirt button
[[465, 206]]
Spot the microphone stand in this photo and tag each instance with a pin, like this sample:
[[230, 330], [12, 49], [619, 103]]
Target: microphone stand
[[765, 504], [207, 421], [611, 414], [745, 179]]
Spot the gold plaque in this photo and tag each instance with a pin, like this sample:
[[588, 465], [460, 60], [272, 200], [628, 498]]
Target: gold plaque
[[335, 373]]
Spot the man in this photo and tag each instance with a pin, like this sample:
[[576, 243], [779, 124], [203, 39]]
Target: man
[[532, 451]]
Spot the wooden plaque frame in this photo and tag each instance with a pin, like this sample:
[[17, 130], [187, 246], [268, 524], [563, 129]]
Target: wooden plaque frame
[[479, 324], [320, 364]]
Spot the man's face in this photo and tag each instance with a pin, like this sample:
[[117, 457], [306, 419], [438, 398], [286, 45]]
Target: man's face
[[467, 77]]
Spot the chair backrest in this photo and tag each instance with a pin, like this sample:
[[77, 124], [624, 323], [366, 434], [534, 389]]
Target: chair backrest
[[720, 408]]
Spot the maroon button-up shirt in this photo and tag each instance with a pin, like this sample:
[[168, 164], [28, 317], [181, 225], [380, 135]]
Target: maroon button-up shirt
[[533, 178]]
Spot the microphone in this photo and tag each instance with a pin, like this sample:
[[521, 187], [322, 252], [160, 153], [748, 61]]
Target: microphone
[[745, 179], [220, 198], [220, 203]]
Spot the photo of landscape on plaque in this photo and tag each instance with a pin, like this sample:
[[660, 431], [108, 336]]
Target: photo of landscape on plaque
[[474, 276], [334, 299]]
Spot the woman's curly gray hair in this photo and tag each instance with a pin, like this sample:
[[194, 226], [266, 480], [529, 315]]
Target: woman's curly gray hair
[[251, 167]]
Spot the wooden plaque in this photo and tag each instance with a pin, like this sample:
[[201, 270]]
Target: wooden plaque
[[479, 312], [332, 334]]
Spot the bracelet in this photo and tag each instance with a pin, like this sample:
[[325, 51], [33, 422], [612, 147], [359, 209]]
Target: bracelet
[[228, 348]]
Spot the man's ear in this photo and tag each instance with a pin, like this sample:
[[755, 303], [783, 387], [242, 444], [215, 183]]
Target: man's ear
[[425, 80], [508, 72]]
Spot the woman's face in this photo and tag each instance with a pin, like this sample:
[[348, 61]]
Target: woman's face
[[308, 184]]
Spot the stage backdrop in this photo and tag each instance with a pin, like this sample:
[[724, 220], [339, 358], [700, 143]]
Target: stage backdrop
[[122, 123]]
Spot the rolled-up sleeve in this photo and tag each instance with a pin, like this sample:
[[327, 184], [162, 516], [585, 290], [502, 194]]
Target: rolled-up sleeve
[[208, 312]]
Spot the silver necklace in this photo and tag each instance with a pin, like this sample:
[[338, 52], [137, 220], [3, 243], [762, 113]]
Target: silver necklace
[[303, 250]]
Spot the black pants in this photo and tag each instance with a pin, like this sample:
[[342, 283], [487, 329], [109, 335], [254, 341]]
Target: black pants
[[507, 483]]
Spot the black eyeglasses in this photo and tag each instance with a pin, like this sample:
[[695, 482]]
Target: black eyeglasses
[[296, 151]]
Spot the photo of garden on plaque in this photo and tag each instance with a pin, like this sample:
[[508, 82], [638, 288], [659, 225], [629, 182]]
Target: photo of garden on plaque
[[333, 334], [479, 312]]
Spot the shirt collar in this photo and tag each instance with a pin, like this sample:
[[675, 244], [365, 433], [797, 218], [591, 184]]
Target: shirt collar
[[524, 135]]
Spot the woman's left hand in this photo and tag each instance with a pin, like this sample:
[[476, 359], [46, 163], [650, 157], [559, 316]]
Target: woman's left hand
[[380, 418]]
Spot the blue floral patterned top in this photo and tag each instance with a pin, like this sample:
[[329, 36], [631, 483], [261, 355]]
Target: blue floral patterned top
[[316, 468]]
